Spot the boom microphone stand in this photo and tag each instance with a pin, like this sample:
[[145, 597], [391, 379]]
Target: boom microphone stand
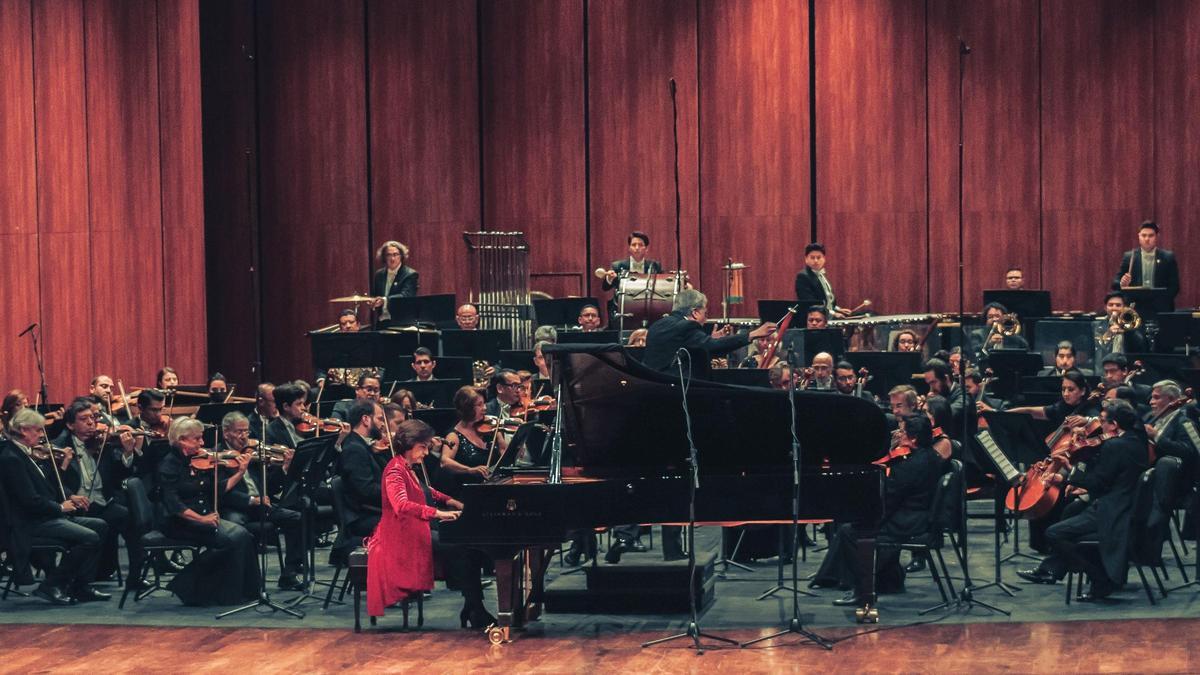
[[795, 626], [693, 628]]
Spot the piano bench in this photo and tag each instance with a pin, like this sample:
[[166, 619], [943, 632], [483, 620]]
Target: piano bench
[[357, 576]]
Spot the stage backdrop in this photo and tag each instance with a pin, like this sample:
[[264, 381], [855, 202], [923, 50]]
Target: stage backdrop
[[101, 191]]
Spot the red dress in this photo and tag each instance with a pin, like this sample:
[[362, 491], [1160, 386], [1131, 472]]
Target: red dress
[[400, 552]]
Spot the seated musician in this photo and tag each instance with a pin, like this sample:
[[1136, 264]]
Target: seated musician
[[816, 318], [218, 388], [292, 403], [423, 364], [264, 410], [361, 475], [684, 327], [152, 420], [984, 340], [14, 402], [904, 341], [637, 337], [93, 471], [1109, 481], [467, 317], [167, 379], [940, 415], [394, 280], [506, 392], [1114, 339], [954, 358], [543, 365], [589, 318], [781, 376], [39, 509], [368, 389], [908, 494], [402, 547], [249, 489], [1149, 266], [636, 263], [846, 382], [347, 323], [822, 369], [1116, 372], [974, 381], [1064, 360], [941, 383], [102, 391], [1164, 426], [757, 352], [812, 283], [1014, 279], [226, 571], [466, 452], [902, 401]]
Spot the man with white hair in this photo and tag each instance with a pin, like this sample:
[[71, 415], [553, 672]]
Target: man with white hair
[[684, 327], [38, 512]]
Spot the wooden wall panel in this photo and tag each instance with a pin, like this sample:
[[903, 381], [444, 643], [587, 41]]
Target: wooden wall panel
[[18, 198], [424, 113], [313, 126], [1097, 141], [871, 151], [532, 130], [227, 75], [66, 298], [633, 49], [1177, 138], [185, 339], [754, 144], [1001, 193], [124, 187]]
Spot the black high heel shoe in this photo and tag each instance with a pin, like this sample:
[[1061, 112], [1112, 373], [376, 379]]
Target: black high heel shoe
[[475, 615]]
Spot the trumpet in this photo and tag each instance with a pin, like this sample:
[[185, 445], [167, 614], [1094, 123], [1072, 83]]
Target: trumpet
[[1121, 322], [1008, 325]]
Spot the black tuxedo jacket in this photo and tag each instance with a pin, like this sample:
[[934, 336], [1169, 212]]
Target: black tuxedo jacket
[[673, 331], [25, 501], [808, 287], [1111, 480], [362, 477], [1166, 274], [403, 286], [277, 433]]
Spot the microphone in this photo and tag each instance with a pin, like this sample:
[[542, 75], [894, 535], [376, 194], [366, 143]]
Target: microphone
[[31, 327], [963, 47], [671, 85]]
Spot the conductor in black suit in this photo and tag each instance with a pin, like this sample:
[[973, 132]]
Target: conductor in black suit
[[636, 263], [684, 327], [394, 280], [812, 284], [1149, 266]]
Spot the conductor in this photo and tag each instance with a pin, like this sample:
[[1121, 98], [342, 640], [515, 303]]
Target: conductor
[[684, 327]]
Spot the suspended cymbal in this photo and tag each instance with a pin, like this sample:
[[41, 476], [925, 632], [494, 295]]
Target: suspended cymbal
[[353, 298]]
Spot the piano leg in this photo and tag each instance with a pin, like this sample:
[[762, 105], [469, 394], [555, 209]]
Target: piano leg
[[509, 569], [865, 584]]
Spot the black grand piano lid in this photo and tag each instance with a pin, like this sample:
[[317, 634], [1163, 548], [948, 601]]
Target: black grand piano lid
[[621, 416]]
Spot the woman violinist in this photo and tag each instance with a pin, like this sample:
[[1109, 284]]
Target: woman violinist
[[226, 572], [401, 549], [466, 453]]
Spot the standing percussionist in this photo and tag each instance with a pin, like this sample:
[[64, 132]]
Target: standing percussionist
[[813, 284], [394, 280], [636, 263], [1148, 266]]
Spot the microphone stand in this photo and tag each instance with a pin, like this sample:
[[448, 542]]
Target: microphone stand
[[37, 356], [693, 628], [795, 626]]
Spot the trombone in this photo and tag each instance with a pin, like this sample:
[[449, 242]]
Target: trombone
[[1008, 325], [1120, 322]]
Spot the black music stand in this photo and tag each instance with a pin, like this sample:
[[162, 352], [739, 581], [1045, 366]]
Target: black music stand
[[441, 419], [888, 369], [693, 628], [306, 474], [432, 310], [486, 345], [213, 413], [1010, 365], [1177, 331], [561, 311], [390, 350], [795, 626], [808, 342], [774, 310], [1025, 304], [517, 359], [432, 392], [1150, 301]]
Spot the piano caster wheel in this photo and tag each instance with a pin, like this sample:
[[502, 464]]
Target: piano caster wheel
[[497, 634], [867, 614]]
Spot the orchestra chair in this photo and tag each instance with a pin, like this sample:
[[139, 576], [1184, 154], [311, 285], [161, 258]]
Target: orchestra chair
[[1171, 490], [337, 494], [153, 542], [1147, 529], [943, 515], [357, 575]]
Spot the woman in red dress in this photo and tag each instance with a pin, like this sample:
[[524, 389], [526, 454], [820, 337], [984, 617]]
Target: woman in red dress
[[400, 552]]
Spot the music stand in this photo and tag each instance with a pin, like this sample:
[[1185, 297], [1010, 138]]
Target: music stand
[[435, 310], [432, 392], [213, 413], [809, 342], [517, 359], [774, 310], [441, 419], [1016, 431], [307, 473], [561, 311], [1150, 301], [1010, 365], [1025, 304], [486, 345], [888, 369], [1177, 330]]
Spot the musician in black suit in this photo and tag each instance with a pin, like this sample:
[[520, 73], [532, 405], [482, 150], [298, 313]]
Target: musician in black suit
[[1115, 370], [812, 283], [394, 280], [361, 475], [1165, 426], [1064, 360], [846, 382], [1114, 340], [908, 495], [367, 390], [636, 263], [37, 511], [1149, 266], [684, 327], [1109, 481]]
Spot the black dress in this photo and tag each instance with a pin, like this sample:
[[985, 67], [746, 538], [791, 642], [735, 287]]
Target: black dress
[[469, 455]]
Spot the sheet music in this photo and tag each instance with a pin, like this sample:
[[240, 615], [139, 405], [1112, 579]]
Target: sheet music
[[1009, 471]]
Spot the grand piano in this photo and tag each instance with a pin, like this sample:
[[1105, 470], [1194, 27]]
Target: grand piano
[[625, 450]]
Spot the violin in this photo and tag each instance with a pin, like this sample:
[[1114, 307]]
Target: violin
[[275, 455], [489, 424], [43, 451], [309, 424], [207, 460]]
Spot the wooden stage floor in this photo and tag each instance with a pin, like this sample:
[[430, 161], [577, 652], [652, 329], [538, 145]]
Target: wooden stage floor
[[1145, 645]]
